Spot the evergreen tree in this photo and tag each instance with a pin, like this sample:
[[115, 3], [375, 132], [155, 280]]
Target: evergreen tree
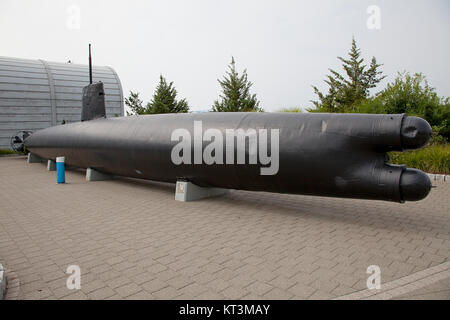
[[346, 92], [135, 104], [164, 99], [236, 93]]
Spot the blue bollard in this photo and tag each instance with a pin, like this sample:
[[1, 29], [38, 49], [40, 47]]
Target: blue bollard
[[60, 173]]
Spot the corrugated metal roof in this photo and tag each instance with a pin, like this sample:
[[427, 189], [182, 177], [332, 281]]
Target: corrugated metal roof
[[36, 94]]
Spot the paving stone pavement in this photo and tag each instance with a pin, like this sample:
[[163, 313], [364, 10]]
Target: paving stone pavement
[[133, 241]]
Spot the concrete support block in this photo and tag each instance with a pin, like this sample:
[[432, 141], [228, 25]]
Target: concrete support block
[[187, 191], [94, 175], [2, 282], [32, 158], [51, 165]]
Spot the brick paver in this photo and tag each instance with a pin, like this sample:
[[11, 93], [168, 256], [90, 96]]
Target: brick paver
[[133, 241]]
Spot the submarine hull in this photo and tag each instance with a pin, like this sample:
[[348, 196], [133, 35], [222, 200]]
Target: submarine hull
[[335, 155]]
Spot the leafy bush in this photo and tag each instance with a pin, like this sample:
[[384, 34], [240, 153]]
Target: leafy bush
[[412, 94]]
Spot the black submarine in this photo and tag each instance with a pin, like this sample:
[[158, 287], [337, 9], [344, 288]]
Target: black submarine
[[334, 155]]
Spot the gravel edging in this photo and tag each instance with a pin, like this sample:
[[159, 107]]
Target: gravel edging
[[2, 282]]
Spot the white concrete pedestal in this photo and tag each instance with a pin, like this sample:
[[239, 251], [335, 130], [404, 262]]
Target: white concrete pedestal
[[187, 191], [32, 158], [94, 175], [51, 165]]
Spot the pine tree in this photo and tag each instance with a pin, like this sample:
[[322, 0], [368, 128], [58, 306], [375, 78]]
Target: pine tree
[[236, 93], [135, 104], [164, 99], [345, 93]]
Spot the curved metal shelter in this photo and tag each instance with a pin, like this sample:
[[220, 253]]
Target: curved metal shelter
[[36, 94]]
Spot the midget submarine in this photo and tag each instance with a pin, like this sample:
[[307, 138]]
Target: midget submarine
[[320, 154]]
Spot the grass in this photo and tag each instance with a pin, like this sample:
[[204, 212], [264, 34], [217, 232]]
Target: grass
[[6, 151], [432, 159], [293, 109]]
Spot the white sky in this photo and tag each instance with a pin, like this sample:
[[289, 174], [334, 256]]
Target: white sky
[[286, 46]]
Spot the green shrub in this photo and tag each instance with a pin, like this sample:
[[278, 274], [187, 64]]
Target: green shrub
[[434, 158]]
